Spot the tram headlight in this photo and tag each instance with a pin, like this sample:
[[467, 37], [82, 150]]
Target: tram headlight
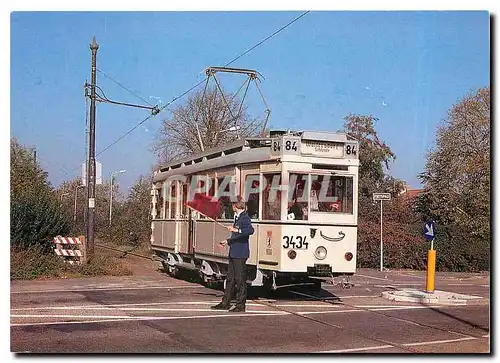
[[292, 254], [348, 256], [320, 253]]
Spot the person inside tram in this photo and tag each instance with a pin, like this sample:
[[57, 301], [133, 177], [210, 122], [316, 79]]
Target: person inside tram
[[226, 210], [295, 210]]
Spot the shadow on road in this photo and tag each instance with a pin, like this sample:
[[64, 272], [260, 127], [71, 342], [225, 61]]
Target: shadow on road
[[454, 317]]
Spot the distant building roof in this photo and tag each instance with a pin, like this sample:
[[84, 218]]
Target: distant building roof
[[413, 193]]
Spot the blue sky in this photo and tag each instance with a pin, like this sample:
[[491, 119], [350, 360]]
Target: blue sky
[[405, 68]]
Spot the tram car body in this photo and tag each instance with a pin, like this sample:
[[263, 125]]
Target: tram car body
[[303, 232]]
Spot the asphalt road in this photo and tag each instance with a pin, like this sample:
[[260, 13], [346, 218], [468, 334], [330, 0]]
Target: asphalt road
[[156, 313]]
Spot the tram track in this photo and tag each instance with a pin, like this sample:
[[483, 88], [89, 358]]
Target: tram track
[[124, 252], [336, 303], [318, 298], [356, 333], [392, 344]]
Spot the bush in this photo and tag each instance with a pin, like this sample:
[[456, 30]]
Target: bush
[[455, 250], [33, 262], [402, 248], [35, 221], [36, 215]]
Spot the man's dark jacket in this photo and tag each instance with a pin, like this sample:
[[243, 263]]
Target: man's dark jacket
[[238, 242]]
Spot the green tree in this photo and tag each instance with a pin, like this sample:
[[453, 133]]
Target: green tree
[[36, 213], [457, 177], [402, 246], [131, 218]]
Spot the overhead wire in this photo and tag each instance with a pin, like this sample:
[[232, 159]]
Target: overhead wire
[[122, 86], [195, 86]]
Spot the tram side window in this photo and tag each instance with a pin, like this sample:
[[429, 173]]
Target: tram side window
[[252, 195], [159, 202], [184, 199], [163, 206], [173, 201], [271, 197], [332, 194], [202, 185], [226, 209], [298, 200]]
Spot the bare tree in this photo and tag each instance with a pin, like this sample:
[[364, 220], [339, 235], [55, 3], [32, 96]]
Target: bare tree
[[216, 116]]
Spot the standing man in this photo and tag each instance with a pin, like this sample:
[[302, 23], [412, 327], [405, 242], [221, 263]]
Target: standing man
[[239, 251]]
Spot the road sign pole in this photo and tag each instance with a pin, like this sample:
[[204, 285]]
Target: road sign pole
[[431, 269], [430, 234], [381, 241]]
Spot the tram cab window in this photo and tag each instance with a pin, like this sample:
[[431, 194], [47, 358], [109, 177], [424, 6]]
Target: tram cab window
[[271, 197], [298, 200], [332, 194], [252, 195]]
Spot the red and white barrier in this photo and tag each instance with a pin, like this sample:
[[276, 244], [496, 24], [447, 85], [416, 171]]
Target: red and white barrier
[[67, 240], [75, 248], [68, 252]]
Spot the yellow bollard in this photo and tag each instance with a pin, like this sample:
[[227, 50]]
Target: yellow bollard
[[431, 270]]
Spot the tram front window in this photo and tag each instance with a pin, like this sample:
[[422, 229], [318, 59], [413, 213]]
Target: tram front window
[[252, 195], [271, 197], [297, 197], [333, 194]]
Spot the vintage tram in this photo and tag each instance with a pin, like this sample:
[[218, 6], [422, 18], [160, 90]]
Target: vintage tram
[[301, 190]]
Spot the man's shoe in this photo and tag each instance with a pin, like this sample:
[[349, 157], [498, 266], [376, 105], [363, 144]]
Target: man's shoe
[[237, 309], [220, 306]]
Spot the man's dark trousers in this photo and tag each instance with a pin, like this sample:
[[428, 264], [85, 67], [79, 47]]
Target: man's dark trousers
[[236, 281]]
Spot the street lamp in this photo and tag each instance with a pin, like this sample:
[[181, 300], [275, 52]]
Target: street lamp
[[61, 198], [232, 128], [76, 195], [111, 194]]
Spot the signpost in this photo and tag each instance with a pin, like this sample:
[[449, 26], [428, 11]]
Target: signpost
[[381, 197], [98, 173], [429, 234]]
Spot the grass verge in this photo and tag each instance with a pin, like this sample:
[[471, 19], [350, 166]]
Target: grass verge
[[33, 263]]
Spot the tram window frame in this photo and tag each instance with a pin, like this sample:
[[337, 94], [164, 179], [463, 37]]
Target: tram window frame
[[335, 189], [268, 177]]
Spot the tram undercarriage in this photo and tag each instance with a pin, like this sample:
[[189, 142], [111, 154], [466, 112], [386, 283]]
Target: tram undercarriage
[[213, 274]]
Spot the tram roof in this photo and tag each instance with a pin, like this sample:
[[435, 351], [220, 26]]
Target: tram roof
[[253, 142]]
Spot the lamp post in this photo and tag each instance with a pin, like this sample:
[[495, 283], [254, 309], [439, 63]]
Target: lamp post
[[61, 197], [111, 193], [232, 128], [76, 195]]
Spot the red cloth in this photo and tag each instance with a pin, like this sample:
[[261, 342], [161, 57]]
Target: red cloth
[[204, 204]]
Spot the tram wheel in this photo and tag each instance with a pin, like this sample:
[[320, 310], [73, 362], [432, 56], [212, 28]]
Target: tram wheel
[[173, 271]]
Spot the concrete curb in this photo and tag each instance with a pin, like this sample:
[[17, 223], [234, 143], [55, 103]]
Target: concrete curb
[[438, 297]]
